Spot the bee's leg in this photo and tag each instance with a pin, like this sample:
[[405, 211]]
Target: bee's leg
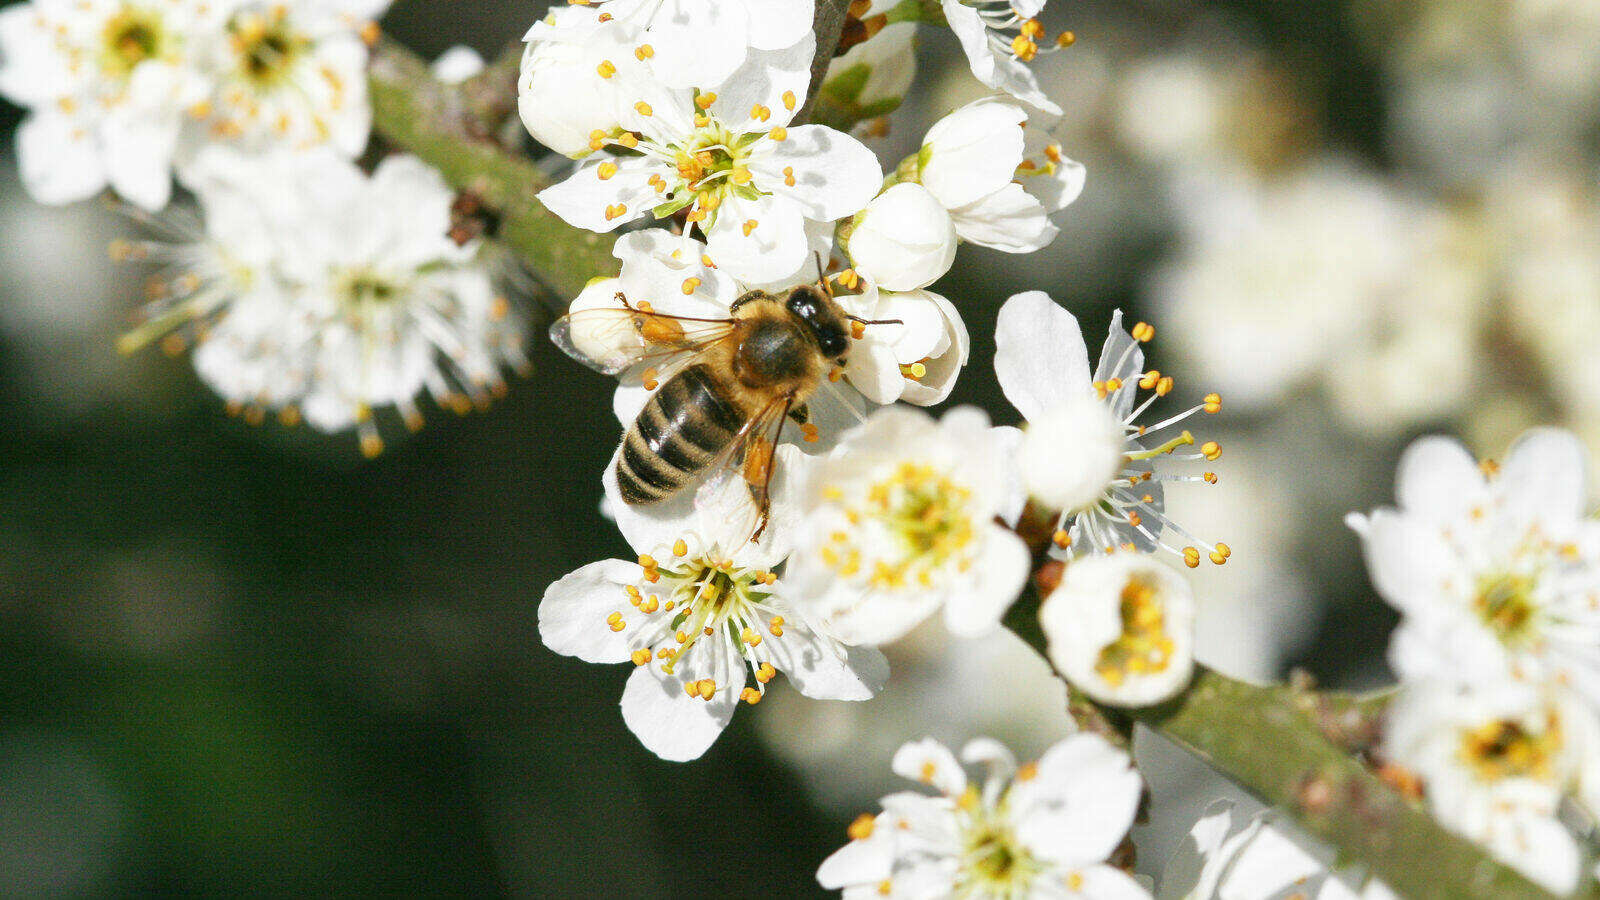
[[758, 478]]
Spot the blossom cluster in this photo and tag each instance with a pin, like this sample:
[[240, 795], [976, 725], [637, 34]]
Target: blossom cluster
[[309, 288], [810, 519], [1495, 571], [120, 92]]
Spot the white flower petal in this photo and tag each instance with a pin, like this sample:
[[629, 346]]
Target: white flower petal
[[999, 576], [931, 763], [1436, 476], [1010, 219], [59, 160], [586, 198], [834, 174], [1080, 803], [1546, 469], [670, 723], [758, 240], [778, 24], [572, 616], [973, 152], [1039, 353]]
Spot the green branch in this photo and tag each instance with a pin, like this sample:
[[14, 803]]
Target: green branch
[[1296, 750], [445, 126]]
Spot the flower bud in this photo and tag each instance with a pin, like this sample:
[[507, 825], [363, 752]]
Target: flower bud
[[561, 95], [903, 240], [1121, 629], [1071, 452]]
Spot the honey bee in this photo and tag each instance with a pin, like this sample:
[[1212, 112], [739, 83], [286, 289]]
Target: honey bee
[[727, 386]]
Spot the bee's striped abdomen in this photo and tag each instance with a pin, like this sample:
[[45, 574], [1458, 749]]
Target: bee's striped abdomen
[[677, 435]]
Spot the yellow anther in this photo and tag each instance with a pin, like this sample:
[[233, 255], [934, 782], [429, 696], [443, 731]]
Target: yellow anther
[[689, 285], [789, 102], [1210, 477], [862, 827], [1066, 39], [1211, 450], [650, 603], [750, 696], [776, 626], [643, 109], [644, 52], [1217, 558], [1075, 882], [641, 657], [1164, 386], [1134, 520], [628, 139], [808, 433], [705, 100], [760, 113], [371, 445], [1023, 48], [606, 170], [681, 638], [749, 226], [765, 673], [1113, 384], [1143, 331], [680, 547], [1213, 403], [1225, 550], [928, 771], [739, 175], [858, 330], [1052, 152], [779, 133], [616, 210], [914, 371], [1028, 771], [750, 637], [606, 69], [1061, 539], [646, 561], [707, 687], [1149, 379], [597, 139], [1191, 557], [647, 379]]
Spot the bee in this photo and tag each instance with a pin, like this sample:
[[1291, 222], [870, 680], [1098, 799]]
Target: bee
[[727, 386]]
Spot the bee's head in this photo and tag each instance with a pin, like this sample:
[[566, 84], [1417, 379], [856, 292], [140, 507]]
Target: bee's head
[[823, 317]]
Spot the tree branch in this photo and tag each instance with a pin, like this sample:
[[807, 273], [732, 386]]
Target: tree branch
[[1292, 749], [827, 26], [442, 125]]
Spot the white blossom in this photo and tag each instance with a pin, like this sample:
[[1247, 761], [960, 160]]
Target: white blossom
[[319, 292], [899, 520], [1495, 760], [107, 84], [289, 75], [1259, 861], [904, 240], [1042, 829], [698, 43], [1101, 476], [1121, 628], [696, 610], [975, 161], [749, 182], [1495, 569], [1000, 38]]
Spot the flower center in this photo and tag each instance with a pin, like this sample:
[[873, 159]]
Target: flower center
[[1144, 646], [1505, 603], [994, 863], [695, 597], [132, 36], [358, 287], [1504, 749], [267, 47], [927, 517]]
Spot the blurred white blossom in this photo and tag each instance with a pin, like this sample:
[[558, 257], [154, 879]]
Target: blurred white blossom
[[1041, 829]]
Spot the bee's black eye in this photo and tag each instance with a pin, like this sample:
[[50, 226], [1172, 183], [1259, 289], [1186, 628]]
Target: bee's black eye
[[802, 306], [832, 343]]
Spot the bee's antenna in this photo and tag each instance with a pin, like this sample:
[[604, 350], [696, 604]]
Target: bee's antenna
[[874, 321]]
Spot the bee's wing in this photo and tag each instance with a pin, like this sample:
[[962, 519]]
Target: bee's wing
[[612, 339], [751, 454]]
